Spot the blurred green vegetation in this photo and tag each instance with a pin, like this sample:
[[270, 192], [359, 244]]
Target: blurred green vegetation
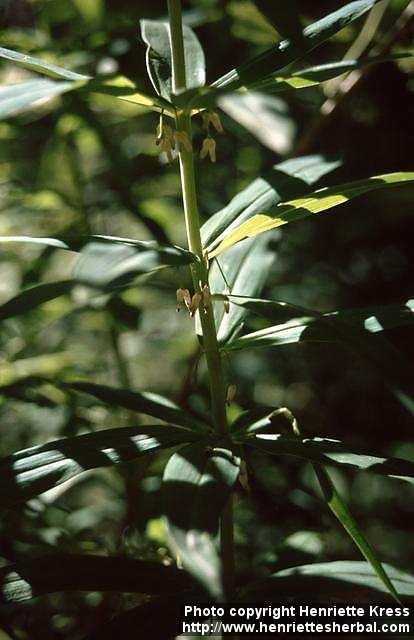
[[91, 165]]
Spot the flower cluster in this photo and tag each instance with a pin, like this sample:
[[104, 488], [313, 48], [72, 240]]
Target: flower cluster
[[199, 300], [169, 140]]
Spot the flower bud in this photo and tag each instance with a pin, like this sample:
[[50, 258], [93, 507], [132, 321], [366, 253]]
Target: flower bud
[[231, 393], [183, 140], [206, 295]]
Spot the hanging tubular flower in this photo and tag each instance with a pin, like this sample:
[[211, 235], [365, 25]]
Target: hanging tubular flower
[[195, 303], [212, 118], [183, 141], [165, 139], [208, 149], [183, 299]]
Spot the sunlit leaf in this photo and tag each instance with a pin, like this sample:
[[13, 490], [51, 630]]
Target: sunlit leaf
[[30, 472], [49, 242], [40, 66], [15, 98], [266, 117], [322, 200], [156, 34], [312, 76], [105, 261], [197, 483], [104, 264], [150, 404], [75, 572], [329, 451], [288, 179], [124, 89], [286, 79], [341, 511]]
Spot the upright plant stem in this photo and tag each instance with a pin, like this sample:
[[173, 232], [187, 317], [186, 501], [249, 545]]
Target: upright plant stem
[[200, 275]]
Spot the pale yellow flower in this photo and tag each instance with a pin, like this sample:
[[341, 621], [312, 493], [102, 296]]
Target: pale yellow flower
[[165, 140], [208, 149], [211, 117]]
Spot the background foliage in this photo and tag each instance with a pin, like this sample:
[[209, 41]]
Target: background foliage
[[91, 166]]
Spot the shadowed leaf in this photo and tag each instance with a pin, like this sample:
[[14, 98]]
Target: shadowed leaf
[[197, 483], [339, 581], [142, 402], [31, 298], [76, 572]]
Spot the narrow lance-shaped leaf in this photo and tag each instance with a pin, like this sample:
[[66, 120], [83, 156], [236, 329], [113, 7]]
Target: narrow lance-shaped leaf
[[312, 76], [338, 581], [299, 324], [329, 451], [286, 52], [18, 97], [150, 404], [33, 297], [300, 208], [108, 260], [286, 79], [341, 511], [359, 329], [124, 89], [266, 116], [156, 34], [40, 66], [288, 179], [14, 98], [30, 472], [78, 572], [48, 242], [243, 269], [197, 483], [102, 265]]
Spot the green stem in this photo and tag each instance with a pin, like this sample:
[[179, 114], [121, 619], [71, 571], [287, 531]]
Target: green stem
[[200, 273]]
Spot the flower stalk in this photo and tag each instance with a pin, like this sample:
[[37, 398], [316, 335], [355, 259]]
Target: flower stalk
[[199, 273]]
